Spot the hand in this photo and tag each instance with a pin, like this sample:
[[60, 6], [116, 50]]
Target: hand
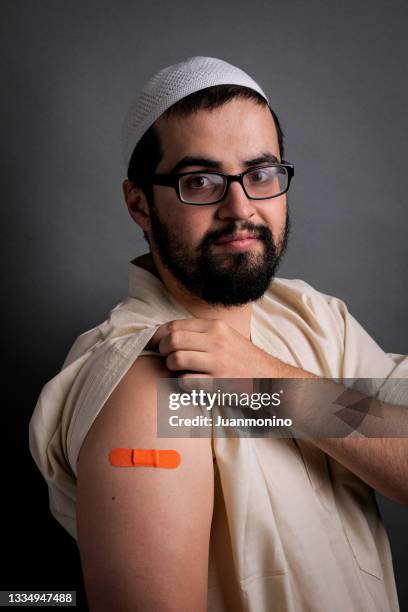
[[211, 348]]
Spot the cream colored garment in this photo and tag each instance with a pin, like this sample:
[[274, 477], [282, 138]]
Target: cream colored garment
[[292, 529]]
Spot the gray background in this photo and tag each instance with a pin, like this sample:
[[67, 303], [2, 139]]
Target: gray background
[[336, 74]]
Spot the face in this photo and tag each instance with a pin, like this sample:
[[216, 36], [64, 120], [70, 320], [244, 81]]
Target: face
[[225, 253]]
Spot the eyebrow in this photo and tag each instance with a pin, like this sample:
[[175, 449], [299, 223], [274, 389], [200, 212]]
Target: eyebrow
[[216, 165]]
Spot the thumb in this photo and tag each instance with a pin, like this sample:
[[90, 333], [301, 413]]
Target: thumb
[[154, 341]]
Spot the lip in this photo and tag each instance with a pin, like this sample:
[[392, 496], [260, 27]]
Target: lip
[[237, 243], [242, 237]]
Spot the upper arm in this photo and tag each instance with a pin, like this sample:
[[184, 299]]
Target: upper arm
[[143, 533]]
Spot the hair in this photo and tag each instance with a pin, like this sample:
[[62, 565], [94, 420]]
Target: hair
[[148, 152]]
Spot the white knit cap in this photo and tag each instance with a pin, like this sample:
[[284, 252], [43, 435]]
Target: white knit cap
[[172, 84]]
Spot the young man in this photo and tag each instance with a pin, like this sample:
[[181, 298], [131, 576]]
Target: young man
[[242, 523]]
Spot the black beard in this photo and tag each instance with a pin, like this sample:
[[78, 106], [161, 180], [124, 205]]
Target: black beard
[[227, 279]]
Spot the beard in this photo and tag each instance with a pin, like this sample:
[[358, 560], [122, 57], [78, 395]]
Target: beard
[[227, 279]]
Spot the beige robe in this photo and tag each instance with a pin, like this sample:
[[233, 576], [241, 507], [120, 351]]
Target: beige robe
[[292, 529]]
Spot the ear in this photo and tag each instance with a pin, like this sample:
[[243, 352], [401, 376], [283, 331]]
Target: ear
[[137, 204]]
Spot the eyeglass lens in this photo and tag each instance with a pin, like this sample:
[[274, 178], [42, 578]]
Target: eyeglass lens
[[265, 182]]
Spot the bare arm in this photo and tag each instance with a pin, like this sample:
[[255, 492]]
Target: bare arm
[[143, 533], [380, 462], [379, 458]]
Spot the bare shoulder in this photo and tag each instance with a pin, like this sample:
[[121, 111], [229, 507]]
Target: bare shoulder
[[143, 533]]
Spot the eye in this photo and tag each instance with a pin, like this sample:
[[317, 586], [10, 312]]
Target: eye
[[260, 175], [197, 181]]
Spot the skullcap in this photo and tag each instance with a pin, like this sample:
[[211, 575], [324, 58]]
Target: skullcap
[[170, 85]]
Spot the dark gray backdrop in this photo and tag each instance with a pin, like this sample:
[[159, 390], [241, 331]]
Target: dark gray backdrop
[[336, 74]]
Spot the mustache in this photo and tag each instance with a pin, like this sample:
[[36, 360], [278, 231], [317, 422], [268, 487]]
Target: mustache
[[259, 231]]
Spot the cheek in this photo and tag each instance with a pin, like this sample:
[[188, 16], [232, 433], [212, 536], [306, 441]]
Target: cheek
[[190, 223], [194, 224], [273, 214]]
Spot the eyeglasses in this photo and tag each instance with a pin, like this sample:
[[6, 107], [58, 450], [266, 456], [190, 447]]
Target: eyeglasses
[[200, 188]]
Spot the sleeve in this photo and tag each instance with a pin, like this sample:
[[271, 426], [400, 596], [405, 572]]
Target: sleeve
[[67, 407], [384, 375], [94, 385]]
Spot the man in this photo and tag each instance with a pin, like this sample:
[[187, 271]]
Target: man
[[242, 523]]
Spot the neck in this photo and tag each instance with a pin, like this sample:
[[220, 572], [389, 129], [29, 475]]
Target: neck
[[238, 317]]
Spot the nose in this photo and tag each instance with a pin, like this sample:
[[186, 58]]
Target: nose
[[235, 205]]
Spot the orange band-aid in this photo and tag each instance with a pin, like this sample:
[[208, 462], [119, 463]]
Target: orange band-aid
[[144, 457]]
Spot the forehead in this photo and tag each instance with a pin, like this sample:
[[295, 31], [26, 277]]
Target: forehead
[[238, 130]]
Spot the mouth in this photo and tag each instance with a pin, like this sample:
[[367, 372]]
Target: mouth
[[237, 241]]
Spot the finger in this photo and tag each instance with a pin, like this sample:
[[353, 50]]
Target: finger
[[183, 340], [194, 324], [155, 339], [164, 330], [189, 361]]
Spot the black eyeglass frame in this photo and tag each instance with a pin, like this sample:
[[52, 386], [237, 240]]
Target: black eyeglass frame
[[173, 180]]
